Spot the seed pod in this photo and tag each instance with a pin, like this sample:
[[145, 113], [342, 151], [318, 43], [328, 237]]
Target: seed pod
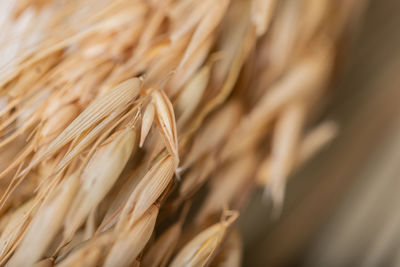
[[85, 141], [161, 251], [231, 253], [227, 184], [147, 122], [197, 176], [99, 176], [191, 94], [15, 228], [14, 222], [132, 239], [89, 253], [214, 132], [149, 189], [191, 16], [284, 146], [305, 77], [200, 250], [166, 121], [58, 121], [46, 223], [184, 72], [311, 144], [205, 27], [84, 258], [118, 97]]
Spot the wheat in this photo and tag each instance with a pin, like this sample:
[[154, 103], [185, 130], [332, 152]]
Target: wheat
[[99, 176], [312, 142], [226, 185], [162, 249], [46, 223], [147, 122], [131, 239], [116, 115], [231, 252], [200, 250], [149, 188]]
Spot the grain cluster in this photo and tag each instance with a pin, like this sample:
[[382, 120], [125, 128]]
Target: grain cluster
[[133, 131]]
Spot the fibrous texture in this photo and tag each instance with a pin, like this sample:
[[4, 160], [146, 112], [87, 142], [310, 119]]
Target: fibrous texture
[[117, 115]]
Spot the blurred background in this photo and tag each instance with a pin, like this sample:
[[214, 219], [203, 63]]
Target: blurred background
[[342, 207]]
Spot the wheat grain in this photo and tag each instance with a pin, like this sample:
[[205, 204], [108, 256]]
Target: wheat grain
[[199, 251], [45, 223], [99, 176], [132, 239], [231, 252], [311, 144], [149, 189], [161, 251], [166, 121], [284, 147], [147, 122]]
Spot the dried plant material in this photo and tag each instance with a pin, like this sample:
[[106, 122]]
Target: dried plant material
[[231, 252], [120, 96], [311, 19], [45, 223], [197, 176], [13, 221], [147, 122], [227, 184], [121, 198], [262, 11], [214, 132], [184, 72], [314, 141], [224, 81], [284, 147], [44, 263], [131, 239], [161, 251], [14, 229], [191, 94], [88, 254], [85, 141], [99, 176], [85, 258], [200, 250], [58, 121], [303, 79], [149, 189], [205, 27], [166, 121], [185, 9]]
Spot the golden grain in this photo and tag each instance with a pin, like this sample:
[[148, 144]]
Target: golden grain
[[227, 83]]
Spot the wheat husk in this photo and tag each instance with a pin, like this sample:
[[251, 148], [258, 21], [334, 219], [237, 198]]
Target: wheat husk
[[200, 250], [131, 239], [231, 252], [99, 176], [46, 223]]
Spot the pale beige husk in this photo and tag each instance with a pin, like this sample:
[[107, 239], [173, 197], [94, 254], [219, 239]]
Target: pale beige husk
[[200, 250]]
